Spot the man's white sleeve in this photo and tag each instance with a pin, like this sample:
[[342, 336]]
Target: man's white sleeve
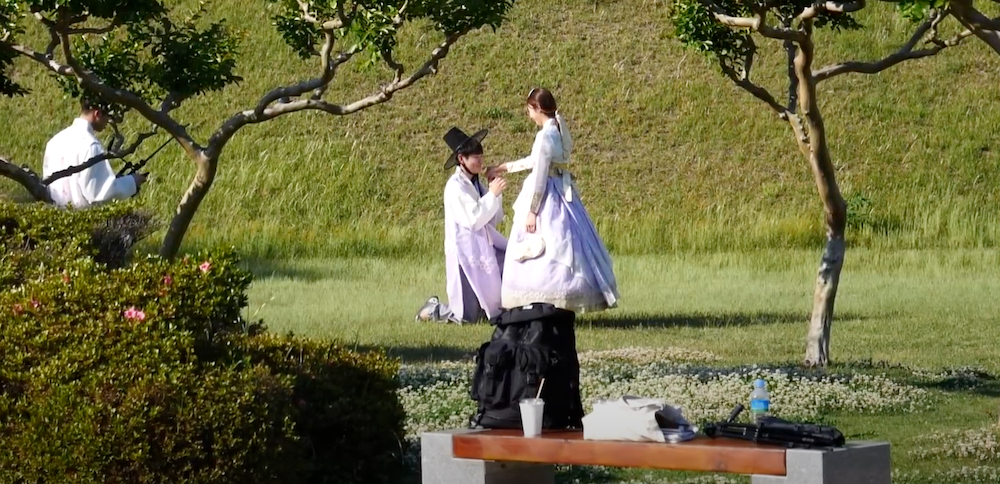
[[99, 184], [468, 211]]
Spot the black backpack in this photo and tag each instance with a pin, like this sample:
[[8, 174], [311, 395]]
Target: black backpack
[[529, 343]]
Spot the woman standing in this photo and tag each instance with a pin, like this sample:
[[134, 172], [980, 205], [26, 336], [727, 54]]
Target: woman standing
[[555, 255]]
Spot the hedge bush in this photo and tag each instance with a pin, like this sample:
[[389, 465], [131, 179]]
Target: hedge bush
[[148, 373]]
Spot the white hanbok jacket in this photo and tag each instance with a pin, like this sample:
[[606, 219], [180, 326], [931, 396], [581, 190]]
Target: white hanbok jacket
[[550, 157], [471, 242], [74, 146]]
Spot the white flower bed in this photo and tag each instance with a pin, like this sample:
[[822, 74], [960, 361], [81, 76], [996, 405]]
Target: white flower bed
[[436, 396], [982, 444]]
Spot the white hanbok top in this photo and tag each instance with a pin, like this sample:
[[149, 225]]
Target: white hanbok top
[[550, 156], [471, 243]]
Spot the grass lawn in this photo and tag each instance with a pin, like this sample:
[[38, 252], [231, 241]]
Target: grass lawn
[[919, 318]]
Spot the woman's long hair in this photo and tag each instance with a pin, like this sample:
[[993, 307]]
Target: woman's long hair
[[543, 100]]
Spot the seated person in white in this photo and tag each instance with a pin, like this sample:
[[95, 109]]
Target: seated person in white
[[76, 145], [473, 249]]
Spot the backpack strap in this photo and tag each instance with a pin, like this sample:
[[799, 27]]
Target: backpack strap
[[526, 314]]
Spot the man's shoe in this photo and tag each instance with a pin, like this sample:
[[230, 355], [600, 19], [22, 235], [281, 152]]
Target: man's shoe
[[429, 311]]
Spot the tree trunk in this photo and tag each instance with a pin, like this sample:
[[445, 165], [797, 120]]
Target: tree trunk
[[827, 281], [196, 192], [834, 207]]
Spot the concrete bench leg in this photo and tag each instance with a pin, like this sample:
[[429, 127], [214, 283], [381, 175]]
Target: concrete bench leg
[[437, 466], [857, 463]]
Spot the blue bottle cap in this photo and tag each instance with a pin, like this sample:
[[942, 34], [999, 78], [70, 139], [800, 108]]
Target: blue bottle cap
[[759, 383]]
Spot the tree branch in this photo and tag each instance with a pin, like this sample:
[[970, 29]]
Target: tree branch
[[904, 53], [308, 17], [92, 30], [832, 7], [133, 101], [237, 121], [110, 155], [26, 178], [988, 30], [115, 22], [53, 43], [41, 59], [329, 66], [755, 23], [395, 66], [743, 80], [328, 25], [170, 102], [429, 67]]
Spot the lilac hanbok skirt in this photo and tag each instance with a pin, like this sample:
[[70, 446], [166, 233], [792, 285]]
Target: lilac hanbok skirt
[[574, 272]]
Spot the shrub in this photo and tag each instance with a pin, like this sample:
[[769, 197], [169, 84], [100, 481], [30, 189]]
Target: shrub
[[35, 237], [149, 374]]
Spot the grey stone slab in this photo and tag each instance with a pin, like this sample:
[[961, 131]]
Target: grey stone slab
[[437, 466]]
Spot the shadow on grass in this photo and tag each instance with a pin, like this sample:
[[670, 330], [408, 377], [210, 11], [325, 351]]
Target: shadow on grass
[[263, 269], [425, 354], [720, 320], [972, 382]]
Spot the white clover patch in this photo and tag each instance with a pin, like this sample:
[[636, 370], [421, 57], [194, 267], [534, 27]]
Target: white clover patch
[[642, 356], [708, 394], [587, 475], [710, 479], [963, 475], [981, 444], [968, 474], [436, 396]]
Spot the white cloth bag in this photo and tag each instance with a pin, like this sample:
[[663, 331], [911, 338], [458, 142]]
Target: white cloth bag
[[629, 418], [529, 247]]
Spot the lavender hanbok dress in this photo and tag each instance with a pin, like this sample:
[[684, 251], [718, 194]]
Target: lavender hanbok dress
[[473, 249], [574, 270]]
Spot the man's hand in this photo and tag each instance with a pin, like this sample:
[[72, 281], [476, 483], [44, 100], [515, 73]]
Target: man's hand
[[139, 178], [497, 185]]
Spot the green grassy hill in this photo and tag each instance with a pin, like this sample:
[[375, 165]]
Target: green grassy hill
[[669, 155]]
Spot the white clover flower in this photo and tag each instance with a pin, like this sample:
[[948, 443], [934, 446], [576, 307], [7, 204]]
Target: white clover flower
[[437, 395], [981, 444]]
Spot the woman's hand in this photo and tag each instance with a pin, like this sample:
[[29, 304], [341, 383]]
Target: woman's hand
[[496, 170], [530, 224]]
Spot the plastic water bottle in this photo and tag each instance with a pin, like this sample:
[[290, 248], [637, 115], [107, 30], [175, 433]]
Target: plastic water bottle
[[760, 400]]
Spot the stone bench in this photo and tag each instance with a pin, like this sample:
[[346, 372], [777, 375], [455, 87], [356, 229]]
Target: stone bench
[[465, 456]]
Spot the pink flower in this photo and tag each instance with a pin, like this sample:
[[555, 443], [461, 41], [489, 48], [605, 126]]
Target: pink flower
[[135, 314], [18, 309], [65, 277], [205, 266], [35, 303], [167, 280]]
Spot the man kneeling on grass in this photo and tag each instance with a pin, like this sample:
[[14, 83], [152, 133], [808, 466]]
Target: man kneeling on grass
[[473, 249]]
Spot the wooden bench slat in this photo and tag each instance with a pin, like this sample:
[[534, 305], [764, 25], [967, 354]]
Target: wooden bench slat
[[569, 447]]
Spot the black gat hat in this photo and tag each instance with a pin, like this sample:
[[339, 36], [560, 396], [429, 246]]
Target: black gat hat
[[456, 140]]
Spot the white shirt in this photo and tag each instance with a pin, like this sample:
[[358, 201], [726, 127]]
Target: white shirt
[[74, 146]]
